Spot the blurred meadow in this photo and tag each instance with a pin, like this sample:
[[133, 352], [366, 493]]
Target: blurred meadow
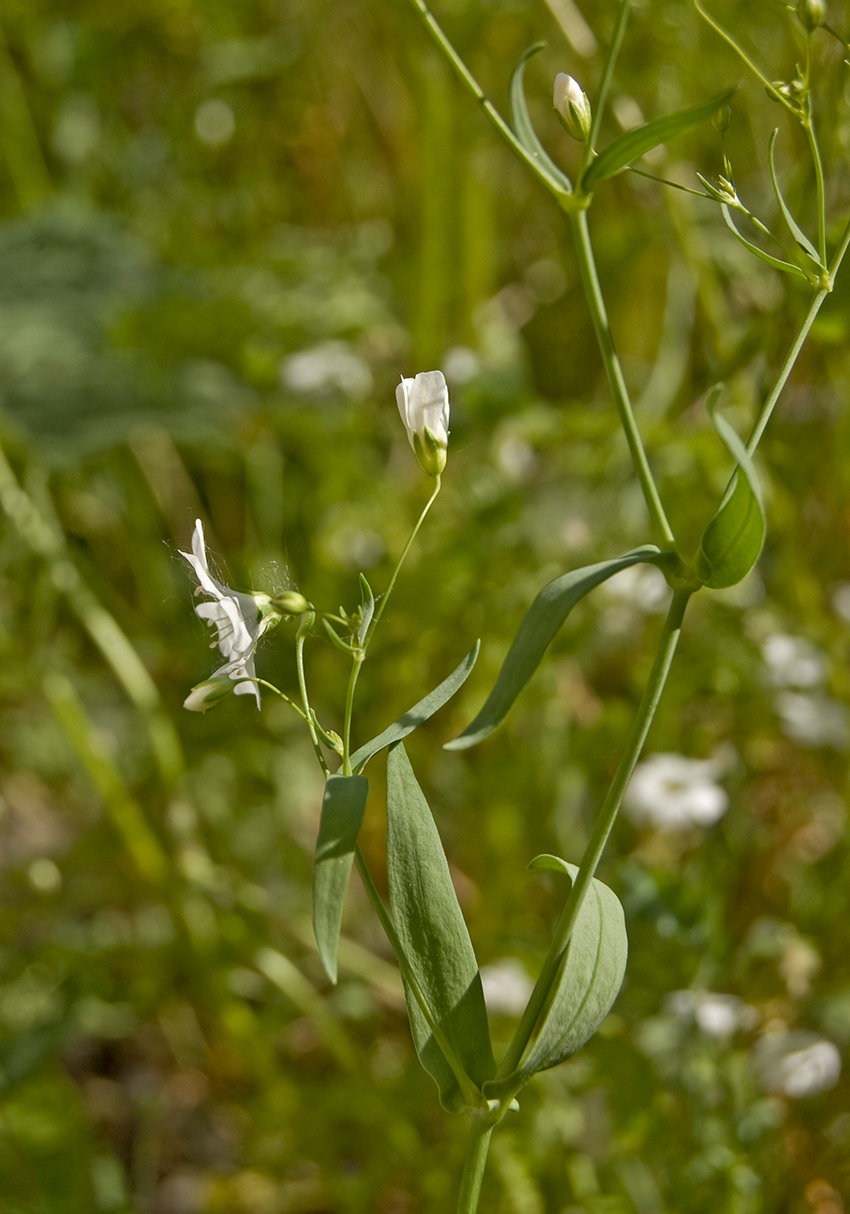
[[225, 232]]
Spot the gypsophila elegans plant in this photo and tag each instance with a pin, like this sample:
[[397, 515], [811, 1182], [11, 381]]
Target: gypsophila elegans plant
[[586, 961]]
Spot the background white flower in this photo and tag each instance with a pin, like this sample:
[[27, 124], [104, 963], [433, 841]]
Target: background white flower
[[798, 1064], [507, 987], [669, 790], [715, 1014], [793, 661], [239, 619]]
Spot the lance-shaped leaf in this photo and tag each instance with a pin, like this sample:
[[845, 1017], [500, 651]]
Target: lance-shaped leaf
[[588, 980], [633, 144], [434, 937], [343, 807], [540, 625], [733, 540], [521, 122], [367, 609], [785, 266], [793, 227], [420, 712]]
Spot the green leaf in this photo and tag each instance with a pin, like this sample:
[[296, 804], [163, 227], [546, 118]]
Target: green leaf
[[343, 807], [525, 132], [336, 639], [732, 542], [628, 147], [785, 266], [798, 234], [433, 934], [420, 712], [540, 625], [367, 609], [589, 979]]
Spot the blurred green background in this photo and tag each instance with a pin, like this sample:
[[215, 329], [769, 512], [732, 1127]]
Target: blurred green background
[[226, 231]]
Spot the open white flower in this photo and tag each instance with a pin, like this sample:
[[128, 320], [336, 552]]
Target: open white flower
[[239, 619], [673, 792], [423, 403]]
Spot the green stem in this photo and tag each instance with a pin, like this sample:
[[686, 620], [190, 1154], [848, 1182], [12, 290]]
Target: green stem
[[604, 823], [604, 84], [471, 84], [473, 1170], [271, 687], [356, 663], [386, 595], [468, 1089], [307, 621], [359, 657], [808, 126], [596, 303], [791, 357]]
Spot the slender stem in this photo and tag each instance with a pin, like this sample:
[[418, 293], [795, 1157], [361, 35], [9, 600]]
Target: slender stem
[[742, 54], [604, 823], [307, 621], [808, 126], [471, 84], [791, 357], [590, 281], [283, 696], [839, 255], [386, 595], [468, 1089], [356, 663], [604, 84], [473, 1170], [359, 656]]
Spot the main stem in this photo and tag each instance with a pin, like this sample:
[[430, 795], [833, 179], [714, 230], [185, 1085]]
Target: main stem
[[604, 823], [599, 315], [473, 1171]]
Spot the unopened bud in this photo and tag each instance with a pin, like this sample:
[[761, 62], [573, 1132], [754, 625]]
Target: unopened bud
[[811, 13], [423, 403], [289, 602], [572, 107], [722, 120], [208, 694]]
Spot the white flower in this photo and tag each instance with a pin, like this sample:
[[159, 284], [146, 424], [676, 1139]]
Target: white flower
[[793, 661], [331, 366], [798, 1064], [672, 791], [239, 620], [813, 720], [507, 987], [572, 106], [716, 1015], [423, 403]]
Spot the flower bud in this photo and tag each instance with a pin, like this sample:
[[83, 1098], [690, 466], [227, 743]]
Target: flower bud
[[289, 602], [423, 403], [208, 694], [572, 107], [722, 120], [811, 13]]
